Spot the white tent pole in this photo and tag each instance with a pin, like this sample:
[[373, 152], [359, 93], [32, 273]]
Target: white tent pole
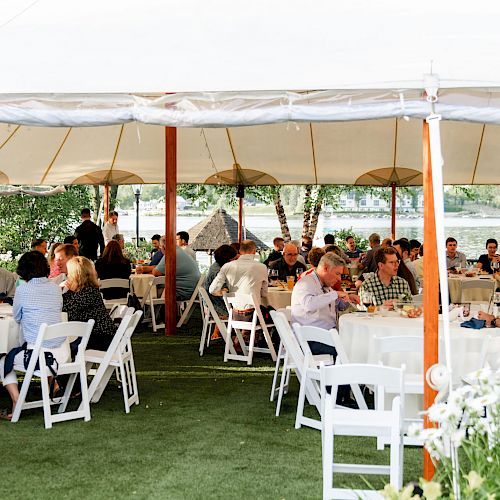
[[437, 183]]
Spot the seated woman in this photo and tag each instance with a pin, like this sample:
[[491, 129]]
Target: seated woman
[[54, 268], [113, 264], [487, 259], [223, 255], [83, 301], [36, 301]]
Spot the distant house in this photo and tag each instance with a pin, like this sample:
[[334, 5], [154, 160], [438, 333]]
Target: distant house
[[181, 203]]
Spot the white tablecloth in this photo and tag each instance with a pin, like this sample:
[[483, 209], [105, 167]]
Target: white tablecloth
[[9, 335], [140, 283], [471, 295], [357, 332], [277, 298]]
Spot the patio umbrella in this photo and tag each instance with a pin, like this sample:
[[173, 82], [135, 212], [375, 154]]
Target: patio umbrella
[[393, 177], [218, 229]]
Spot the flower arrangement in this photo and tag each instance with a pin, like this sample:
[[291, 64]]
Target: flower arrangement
[[464, 444], [8, 261]]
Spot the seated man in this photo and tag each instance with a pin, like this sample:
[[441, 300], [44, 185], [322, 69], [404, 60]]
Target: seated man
[[71, 240], [414, 249], [182, 238], [352, 251], [307, 244], [385, 286], [275, 254], [156, 253], [40, 245], [368, 263], [63, 253], [244, 275], [454, 258], [288, 264], [314, 301], [7, 286], [187, 273]]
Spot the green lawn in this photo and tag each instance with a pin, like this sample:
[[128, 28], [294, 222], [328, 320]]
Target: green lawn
[[204, 429]]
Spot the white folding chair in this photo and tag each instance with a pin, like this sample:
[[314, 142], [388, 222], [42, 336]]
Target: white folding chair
[[468, 286], [306, 334], [185, 306], [293, 359], [492, 358], [352, 422], [152, 300], [280, 359], [118, 356], [387, 348], [73, 329], [119, 311], [210, 318], [256, 324], [115, 283]]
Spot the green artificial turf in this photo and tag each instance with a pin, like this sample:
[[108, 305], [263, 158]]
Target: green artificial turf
[[204, 429]]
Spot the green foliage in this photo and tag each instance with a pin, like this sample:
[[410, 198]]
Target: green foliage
[[141, 253], [25, 218], [342, 234]]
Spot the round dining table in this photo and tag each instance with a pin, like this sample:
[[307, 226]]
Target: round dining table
[[9, 330], [140, 283], [455, 282], [277, 297]]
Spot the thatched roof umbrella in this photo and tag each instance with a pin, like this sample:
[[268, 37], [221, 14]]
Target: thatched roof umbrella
[[218, 229]]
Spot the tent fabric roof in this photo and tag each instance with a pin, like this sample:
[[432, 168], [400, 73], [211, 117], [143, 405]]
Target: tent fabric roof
[[218, 229], [192, 46], [305, 153]]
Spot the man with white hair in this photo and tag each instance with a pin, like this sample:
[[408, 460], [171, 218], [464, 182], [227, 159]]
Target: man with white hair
[[314, 301]]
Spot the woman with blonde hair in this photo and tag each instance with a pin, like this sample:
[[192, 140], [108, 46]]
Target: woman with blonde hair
[[83, 301], [54, 268]]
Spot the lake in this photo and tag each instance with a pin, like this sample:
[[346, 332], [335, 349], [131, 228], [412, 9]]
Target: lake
[[471, 233]]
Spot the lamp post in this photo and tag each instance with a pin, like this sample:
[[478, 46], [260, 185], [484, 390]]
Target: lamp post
[[137, 189]]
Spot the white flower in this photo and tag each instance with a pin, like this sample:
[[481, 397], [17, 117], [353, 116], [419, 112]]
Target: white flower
[[475, 480], [458, 436], [415, 429], [431, 489]]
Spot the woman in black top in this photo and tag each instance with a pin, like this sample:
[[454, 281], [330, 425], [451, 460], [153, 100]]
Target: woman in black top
[[113, 264], [83, 301]]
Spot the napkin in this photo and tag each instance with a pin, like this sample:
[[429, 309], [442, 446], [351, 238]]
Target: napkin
[[474, 323]]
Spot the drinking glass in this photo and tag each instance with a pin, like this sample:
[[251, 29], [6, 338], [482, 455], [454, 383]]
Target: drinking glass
[[367, 299], [496, 298], [495, 266], [298, 272], [273, 276]]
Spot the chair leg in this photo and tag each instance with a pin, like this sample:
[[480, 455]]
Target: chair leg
[[203, 337], [251, 344], [380, 405], [124, 387], [284, 372], [327, 453], [67, 393], [276, 371], [134, 379], [47, 414], [300, 402], [85, 396]]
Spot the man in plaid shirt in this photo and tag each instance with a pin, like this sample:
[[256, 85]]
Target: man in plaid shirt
[[384, 285]]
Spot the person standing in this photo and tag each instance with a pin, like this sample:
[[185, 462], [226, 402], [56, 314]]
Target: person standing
[[89, 236], [111, 227]]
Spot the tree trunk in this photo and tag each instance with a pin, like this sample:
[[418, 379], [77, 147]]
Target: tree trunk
[[280, 212], [318, 204], [113, 193], [307, 210], [97, 203]]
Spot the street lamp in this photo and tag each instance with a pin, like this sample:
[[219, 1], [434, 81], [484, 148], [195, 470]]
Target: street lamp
[[137, 189]]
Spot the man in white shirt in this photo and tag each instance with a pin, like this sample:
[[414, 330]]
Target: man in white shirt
[[314, 301], [182, 239], [111, 227], [244, 275]]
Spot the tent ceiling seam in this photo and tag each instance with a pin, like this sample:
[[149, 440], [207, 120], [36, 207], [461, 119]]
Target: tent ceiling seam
[[10, 137], [313, 153], [231, 146], [51, 164], [115, 154], [478, 154]]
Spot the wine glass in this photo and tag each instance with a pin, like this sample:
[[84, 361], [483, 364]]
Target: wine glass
[[495, 265], [298, 272], [273, 276], [367, 299]]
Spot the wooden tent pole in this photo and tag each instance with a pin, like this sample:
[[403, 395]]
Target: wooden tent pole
[[393, 211], [240, 194], [431, 287], [170, 229], [106, 202]]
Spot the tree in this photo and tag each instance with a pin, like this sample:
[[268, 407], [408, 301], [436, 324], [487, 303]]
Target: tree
[[25, 218]]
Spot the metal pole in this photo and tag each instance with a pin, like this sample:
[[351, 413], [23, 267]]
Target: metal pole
[[137, 196]]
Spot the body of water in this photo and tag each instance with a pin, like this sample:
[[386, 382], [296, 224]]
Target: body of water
[[471, 233]]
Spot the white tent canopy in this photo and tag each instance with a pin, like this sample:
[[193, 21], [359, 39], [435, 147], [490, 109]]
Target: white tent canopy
[[158, 46]]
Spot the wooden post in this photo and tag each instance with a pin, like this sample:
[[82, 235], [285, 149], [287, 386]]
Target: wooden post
[[106, 202], [393, 211], [240, 219], [431, 287], [170, 229]]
